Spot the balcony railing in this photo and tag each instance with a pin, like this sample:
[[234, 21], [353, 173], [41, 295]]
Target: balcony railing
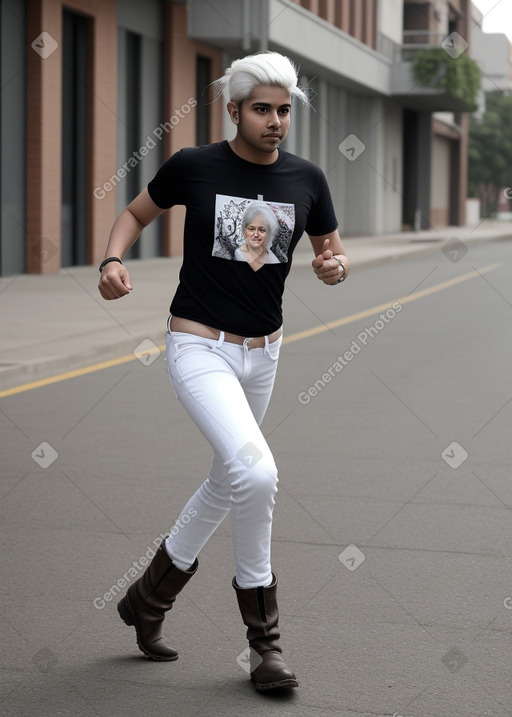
[[414, 40], [388, 47]]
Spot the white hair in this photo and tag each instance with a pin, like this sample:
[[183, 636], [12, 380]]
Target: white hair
[[263, 68]]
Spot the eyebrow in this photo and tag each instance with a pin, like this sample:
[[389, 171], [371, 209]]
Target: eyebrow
[[268, 104]]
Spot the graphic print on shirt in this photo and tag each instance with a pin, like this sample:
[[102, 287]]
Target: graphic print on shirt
[[252, 230]]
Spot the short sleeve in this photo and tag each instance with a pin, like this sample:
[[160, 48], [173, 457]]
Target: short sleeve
[[164, 188], [322, 217]]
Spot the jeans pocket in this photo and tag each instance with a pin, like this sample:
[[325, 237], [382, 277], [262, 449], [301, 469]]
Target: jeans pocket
[[186, 346], [179, 344], [273, 349]]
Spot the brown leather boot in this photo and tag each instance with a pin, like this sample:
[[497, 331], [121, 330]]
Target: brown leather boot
[[260, 614], [148, 599]]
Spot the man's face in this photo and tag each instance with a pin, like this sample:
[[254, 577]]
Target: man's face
[[264, 118]]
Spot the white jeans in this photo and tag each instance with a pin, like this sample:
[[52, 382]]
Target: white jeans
[[226, 389]]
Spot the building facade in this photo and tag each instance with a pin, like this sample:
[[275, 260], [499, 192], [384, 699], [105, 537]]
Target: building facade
[[96, 94], [493, 52]]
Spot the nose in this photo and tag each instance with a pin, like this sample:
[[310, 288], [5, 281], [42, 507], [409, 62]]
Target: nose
[[273, 120]]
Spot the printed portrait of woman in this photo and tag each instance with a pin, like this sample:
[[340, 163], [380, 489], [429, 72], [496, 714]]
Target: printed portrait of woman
[[253, 231], [259, 228]]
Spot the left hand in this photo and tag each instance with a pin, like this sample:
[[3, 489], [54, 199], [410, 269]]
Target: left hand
[[325, 267]]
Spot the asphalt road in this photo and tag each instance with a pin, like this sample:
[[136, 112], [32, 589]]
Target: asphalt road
[[393, 523]]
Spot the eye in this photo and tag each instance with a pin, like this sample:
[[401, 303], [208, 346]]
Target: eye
[[284, 111]]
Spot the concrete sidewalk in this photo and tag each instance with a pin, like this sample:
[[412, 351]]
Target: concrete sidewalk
[[57, 323]]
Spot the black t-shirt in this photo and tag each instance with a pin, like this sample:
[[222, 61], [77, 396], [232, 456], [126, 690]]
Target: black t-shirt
[[220, 284]]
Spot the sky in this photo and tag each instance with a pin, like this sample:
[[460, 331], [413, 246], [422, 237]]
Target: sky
[[497, 16]]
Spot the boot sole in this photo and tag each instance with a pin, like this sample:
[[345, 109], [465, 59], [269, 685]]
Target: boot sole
[[127, 617], [288, 684]]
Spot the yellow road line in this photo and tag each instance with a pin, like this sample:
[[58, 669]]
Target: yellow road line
[[382, 307], [68, 374], [287, 339]]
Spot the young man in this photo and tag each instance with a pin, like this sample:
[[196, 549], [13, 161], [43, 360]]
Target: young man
[[223, 341]]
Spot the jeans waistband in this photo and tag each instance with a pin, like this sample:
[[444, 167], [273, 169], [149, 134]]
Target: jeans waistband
[[208, 332]]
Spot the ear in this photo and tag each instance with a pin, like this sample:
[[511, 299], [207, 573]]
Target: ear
[[233, 112]]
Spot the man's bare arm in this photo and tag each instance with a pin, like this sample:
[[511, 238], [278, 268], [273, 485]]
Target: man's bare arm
[[115, 280]]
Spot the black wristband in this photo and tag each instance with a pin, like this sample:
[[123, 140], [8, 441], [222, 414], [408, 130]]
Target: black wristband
[[106, 261]]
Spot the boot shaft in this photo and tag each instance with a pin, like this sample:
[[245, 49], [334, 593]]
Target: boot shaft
[[258, 607], [260, 614]]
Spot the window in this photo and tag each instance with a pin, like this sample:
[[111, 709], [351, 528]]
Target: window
[[75, 78]]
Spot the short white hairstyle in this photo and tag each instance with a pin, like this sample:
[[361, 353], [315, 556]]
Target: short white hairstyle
[[263, 68]]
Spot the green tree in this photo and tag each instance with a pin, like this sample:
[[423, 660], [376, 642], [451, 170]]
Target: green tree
[[490, 151]]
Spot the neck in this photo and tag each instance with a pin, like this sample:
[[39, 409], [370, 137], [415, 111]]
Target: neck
[[256, 253], [250, 154]]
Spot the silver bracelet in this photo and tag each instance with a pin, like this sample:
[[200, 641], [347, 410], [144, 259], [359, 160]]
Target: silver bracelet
[[344, 274]]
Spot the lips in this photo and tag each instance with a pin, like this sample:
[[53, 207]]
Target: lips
[[273, 135]]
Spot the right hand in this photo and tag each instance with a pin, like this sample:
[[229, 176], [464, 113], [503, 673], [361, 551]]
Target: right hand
[[115, 281]]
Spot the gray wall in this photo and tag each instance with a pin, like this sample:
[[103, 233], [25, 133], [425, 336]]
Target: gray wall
[[440, 174], [493, 53], [366, 190]]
